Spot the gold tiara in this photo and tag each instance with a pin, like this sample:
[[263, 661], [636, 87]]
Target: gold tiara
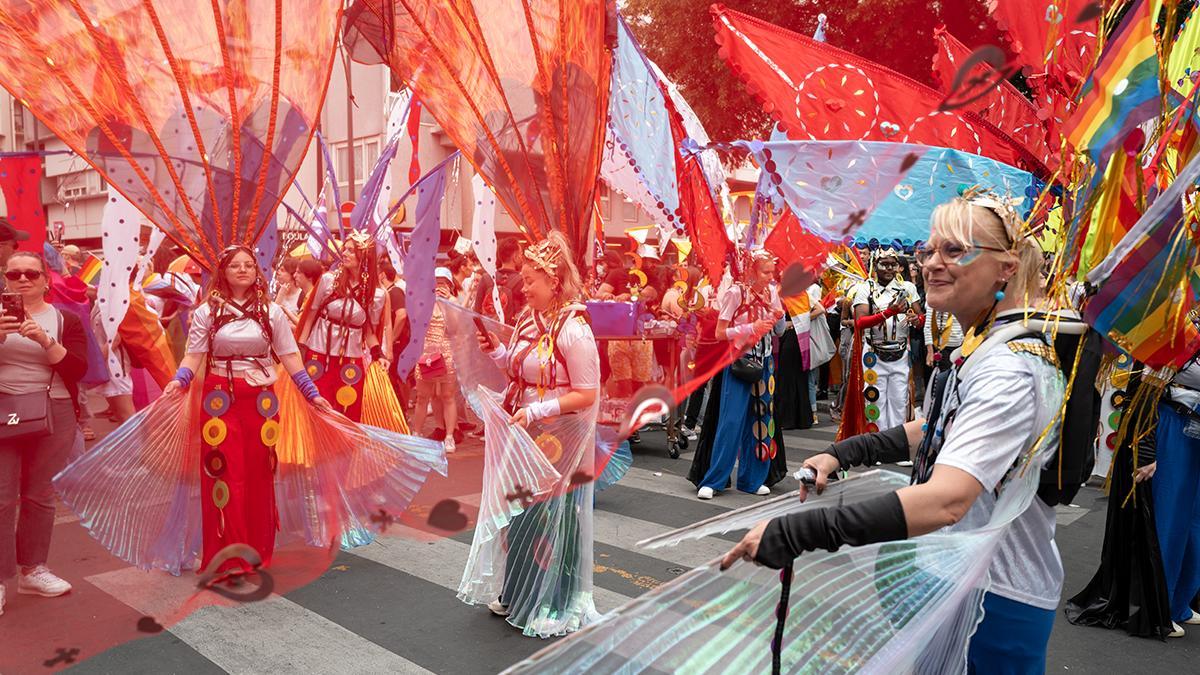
[[359, 239], [544, 255], [1004, 208]]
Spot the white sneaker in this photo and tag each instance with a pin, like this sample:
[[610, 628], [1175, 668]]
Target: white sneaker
[[704, 493], [545, 627], [497, 608], [689, 434], [904, 462], [762, 491], [42, 582], [1194, 619], [1178, 632], [448, 444]]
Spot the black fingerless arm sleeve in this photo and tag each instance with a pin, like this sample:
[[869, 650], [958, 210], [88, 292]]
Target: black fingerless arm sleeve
[[888, 446], [873, 520]]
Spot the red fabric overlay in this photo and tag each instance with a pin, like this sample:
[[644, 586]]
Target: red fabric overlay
[[792, 244], [1002, 105], [20, 180], [1046, 38], [249, 516], [816, 91]]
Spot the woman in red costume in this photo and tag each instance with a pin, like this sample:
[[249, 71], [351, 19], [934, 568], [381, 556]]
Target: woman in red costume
[[343, 325], [239, 336]]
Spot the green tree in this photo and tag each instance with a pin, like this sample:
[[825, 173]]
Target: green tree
[[678, 36]]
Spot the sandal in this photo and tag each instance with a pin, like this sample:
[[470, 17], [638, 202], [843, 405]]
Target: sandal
[[88, 434]]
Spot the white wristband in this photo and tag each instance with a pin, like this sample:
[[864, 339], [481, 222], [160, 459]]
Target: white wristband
[[499, 354], [540, 410]]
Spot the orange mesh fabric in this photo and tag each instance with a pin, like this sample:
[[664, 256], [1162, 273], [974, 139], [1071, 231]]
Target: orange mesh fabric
[[198, 111], [520, 86]]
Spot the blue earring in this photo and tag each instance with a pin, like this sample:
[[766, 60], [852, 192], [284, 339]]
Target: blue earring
[[999, 296]]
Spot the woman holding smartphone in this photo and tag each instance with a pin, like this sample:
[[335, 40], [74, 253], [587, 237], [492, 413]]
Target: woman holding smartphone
[[43, 354]]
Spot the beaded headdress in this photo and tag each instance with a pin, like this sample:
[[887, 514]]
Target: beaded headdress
[[1005, 209]]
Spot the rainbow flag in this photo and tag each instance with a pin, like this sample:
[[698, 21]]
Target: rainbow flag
[[1122, 91], [89, 272]]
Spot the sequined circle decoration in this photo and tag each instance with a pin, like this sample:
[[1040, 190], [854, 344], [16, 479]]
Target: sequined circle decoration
[[871, 394], [220, 494], [351, 373], [870, 377], [346, 396], [214, 463], [761, 432], [872, 428], [268, 404], [216, 402], [1117, 399], [315, 369], [1114, 420], [214, 431], [872, 412], [869, 360], [1111, 441], [269, 433], [550, 446]]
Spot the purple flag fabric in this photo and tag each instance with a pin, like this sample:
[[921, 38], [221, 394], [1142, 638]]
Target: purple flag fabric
[[419, 264]]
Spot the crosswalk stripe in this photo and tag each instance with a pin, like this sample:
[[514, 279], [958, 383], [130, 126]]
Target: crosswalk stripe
[[272, 635]]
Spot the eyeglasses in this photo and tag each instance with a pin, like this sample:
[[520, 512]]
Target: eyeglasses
[[888, 264], [953, 253], [32, 275]]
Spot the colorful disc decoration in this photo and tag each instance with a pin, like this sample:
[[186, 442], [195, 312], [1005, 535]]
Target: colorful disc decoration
[[351, 373], [268, 404], [346, 396], [214, 463], [551, 447], [220, 494], [870, 377], [216, 402], [1117, 399], [871, 394], [1114, 420], [214, 431], [872, 427], [269, 433], [869, 360], [315, 369], [872, 412]]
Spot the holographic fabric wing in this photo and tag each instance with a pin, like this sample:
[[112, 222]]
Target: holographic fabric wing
[[1047, 37], [533, 538], [880, 608], [200, 115], [138, 490], [520, 86], [816, 91], [639, 154]]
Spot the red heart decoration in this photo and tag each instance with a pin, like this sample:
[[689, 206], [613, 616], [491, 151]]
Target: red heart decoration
[[834, 104]]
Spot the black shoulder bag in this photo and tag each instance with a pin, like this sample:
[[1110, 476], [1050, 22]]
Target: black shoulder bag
[[28, 415]]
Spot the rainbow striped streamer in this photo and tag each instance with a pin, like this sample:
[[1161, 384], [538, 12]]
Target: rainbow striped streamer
[[1122, 91]]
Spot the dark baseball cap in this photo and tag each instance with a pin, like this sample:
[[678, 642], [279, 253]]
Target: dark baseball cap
[[10, 233]]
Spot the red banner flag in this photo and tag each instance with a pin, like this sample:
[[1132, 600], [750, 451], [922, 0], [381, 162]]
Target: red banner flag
[[816, 91], [20, 180]]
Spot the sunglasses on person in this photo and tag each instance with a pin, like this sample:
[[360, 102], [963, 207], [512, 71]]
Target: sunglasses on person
[[953, 253], [32, 275]]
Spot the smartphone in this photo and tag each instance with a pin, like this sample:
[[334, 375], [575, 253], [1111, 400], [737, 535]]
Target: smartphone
[[13, 305], [483, 332]]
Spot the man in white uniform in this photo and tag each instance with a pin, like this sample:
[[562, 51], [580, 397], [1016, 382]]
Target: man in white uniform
[[893, 303]]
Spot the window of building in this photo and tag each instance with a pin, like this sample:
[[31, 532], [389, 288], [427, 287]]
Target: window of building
[[18, 123], [366, 153], [605, 202], [629, 210]]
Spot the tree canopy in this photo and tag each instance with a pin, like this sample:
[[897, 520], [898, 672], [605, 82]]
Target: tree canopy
[[678, 36]]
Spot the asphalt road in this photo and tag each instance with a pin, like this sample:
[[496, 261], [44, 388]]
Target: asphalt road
[[391, 606]]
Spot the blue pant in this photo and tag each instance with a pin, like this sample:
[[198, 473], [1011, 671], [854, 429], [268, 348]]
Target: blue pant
[[1176, 488], [1011, 639], [734, 440]]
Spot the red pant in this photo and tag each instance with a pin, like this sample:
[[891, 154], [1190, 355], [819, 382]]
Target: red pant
[[330, 382], [246, 468]]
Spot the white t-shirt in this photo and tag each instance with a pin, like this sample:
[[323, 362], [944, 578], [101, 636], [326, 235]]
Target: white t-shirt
[[894, 328], [1007, 400], [348, 319], [242, 337], [577, 345]]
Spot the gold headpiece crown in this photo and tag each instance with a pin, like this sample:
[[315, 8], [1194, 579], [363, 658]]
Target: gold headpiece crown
[[545, 256], [359, 239], [1004, 208]]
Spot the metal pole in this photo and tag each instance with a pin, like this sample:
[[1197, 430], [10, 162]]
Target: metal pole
[[349, 130]]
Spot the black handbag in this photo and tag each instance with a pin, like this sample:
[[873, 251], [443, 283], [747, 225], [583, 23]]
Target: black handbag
[[749, 366], [28, 415]]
